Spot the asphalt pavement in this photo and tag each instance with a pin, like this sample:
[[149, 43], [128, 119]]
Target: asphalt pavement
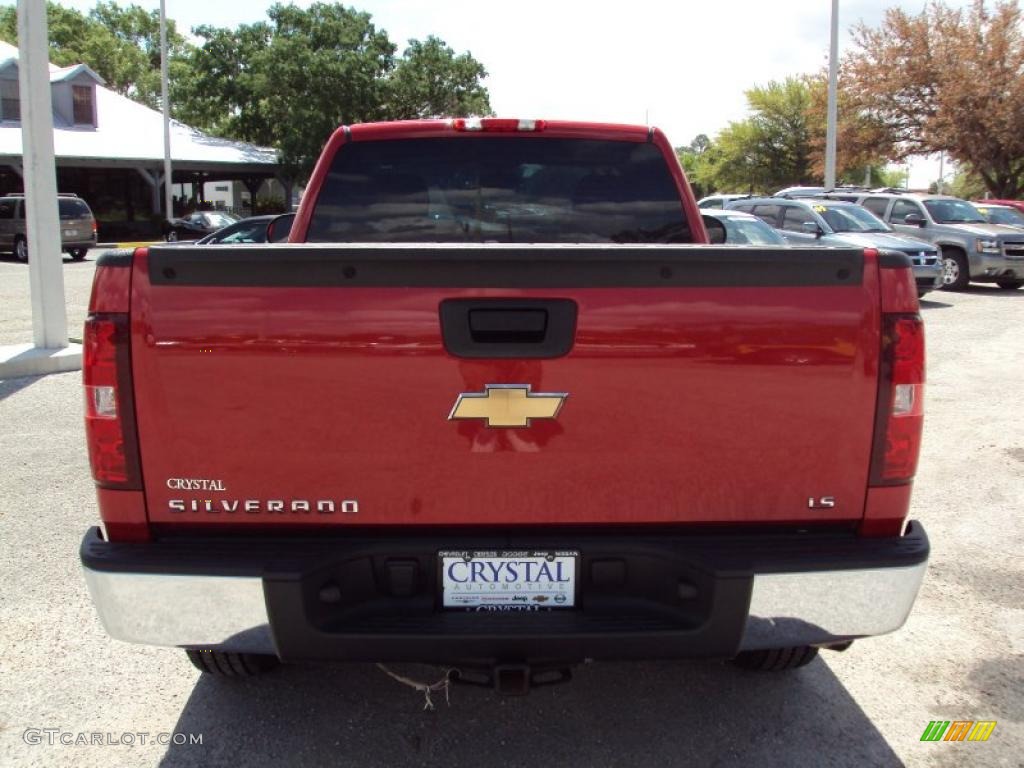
[[959, 657], [16, 310]]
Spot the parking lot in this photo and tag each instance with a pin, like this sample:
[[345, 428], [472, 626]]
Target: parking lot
[[960, 656]]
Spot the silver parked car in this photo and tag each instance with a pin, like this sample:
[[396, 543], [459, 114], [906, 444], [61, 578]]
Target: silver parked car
[[255, 229], [1001, 214], [718, 201], [77, 226], [972, 249], [836, 193], [836, 222], [738, 228]]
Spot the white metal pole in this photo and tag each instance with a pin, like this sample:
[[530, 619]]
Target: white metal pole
[[42, 223], [833, 79], [165, 101], [942, 163]]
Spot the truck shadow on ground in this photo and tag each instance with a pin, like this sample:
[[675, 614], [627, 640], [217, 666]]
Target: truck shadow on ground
[[655, 713], [994, 291]]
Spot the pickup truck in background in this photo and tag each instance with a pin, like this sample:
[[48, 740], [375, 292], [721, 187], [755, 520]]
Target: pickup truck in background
[[498, 405]]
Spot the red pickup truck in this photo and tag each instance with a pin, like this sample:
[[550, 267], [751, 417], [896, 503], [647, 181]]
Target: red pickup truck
[[498, 404]]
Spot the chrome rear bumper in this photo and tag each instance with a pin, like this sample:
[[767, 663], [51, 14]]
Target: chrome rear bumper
[[811, 603], [824, 607], [185, 611]]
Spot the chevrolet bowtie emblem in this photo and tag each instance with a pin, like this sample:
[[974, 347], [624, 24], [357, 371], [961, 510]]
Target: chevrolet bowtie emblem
[[508, 405]]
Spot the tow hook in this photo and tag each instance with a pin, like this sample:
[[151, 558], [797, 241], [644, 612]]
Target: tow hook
[[513, 679]]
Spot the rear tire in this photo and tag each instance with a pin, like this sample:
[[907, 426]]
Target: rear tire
[[78, 253], [776, 659], [956, 273], [224, 664], [21, 248], [1010, 285]]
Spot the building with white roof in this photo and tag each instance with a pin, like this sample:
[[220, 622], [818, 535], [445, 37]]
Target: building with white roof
[[109, 151]]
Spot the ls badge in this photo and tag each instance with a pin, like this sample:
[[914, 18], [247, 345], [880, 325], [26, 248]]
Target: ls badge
[[508, 405]]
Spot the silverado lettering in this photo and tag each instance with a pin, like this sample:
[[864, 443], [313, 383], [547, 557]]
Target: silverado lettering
[[731, 477], [258, 506]]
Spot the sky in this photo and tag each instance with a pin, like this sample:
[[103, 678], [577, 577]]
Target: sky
[[682, 66]]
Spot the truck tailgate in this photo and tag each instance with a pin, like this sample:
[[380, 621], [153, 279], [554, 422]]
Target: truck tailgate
[[306, 385]]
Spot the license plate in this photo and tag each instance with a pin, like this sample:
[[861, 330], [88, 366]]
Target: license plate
[[527, 580], [70, 232]]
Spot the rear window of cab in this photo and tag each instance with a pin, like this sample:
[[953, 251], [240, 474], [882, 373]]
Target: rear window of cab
[[495, 189]]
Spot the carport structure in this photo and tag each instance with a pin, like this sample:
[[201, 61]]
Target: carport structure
[[109, 149]]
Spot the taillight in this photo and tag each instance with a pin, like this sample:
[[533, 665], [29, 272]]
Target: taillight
[[496, 124], [900, 411], [95, 228], [109, 410]]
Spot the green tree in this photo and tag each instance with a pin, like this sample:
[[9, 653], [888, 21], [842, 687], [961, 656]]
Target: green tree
[[291, 81], [700, 144], [696, 160], [740, 164], [323, 67], [879, 176], [137, 29], [782, 128], [228, 92], [966, 184], [430, 80], [771, 148], [121, 44], [782, 143]]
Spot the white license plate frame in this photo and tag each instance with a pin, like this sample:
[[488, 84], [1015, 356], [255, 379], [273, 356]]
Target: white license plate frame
[[508, 580]]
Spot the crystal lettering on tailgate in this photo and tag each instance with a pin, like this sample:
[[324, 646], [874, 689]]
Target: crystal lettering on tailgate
[[194, 484]]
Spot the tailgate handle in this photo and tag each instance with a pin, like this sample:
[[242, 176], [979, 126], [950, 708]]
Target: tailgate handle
[[508, 326], [502, 328]]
